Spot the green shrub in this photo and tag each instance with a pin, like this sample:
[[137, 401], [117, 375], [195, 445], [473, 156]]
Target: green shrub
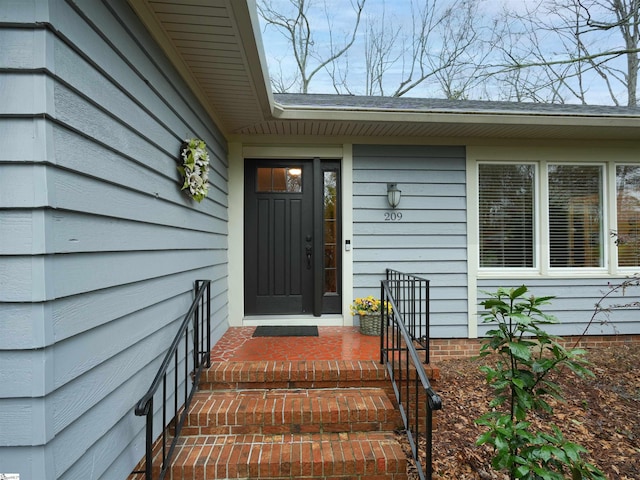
[[521, 378]]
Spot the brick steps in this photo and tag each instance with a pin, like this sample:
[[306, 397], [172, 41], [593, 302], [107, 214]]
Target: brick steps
[[283, 420], [282, 411], [372, 456]]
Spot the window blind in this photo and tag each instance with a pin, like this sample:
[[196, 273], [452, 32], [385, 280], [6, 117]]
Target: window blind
[[575, 216], [506, 206], [627, 236]]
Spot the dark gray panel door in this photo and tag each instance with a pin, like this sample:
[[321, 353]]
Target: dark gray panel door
[[279, 237]]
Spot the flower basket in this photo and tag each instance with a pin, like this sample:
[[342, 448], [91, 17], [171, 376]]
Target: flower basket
[[368, 309], [370, 324]]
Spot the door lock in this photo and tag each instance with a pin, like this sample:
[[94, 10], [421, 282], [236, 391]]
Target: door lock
[[308, 252]]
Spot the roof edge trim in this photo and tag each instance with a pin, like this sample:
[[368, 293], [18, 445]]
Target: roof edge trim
[[284, 112]]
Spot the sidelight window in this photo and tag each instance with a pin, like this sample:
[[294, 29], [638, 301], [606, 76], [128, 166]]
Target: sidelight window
[[330, 220]]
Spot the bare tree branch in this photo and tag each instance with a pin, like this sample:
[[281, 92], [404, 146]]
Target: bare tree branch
[[609, 54], [544, 51], [296, 27], [587, 33]]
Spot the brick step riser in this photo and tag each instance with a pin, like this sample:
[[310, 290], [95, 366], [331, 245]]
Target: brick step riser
[[316, 371], [375, 456], [322, 374], [292, 385], [287, 411], [384, 385]]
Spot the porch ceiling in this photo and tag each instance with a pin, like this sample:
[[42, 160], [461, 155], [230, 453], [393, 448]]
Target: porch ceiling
[[217, 47]]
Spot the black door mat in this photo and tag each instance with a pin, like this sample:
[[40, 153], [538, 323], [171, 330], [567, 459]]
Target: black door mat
[[279, 331]]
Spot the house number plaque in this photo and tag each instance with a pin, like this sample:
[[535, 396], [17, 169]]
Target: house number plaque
[[392, 216]]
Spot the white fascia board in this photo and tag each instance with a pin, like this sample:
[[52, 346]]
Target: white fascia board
[[468, 117]]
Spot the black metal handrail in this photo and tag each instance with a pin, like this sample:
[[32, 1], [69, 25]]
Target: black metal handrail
[[195, 356], [415, 396], [411, 294]]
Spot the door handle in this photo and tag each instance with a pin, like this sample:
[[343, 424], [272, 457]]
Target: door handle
[[308, 252]]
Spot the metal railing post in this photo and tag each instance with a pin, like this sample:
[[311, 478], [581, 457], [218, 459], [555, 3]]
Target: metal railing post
[[408, 298], [149, 441], [190, 373]]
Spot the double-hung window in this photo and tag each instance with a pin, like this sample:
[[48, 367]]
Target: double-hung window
[[554, 215]]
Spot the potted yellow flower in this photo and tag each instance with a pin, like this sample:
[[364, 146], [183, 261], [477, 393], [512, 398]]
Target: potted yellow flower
[[368, 309]]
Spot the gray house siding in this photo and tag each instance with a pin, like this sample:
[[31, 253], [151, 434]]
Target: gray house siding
[[430, 238], [99, 247], [574, 303]]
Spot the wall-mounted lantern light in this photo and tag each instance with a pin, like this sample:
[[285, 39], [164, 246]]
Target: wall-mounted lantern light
[[393, 194]]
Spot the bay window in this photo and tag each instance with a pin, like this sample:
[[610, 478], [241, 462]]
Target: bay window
[[553, 215]]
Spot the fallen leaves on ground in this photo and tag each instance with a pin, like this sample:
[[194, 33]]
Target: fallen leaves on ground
[[601, 413]]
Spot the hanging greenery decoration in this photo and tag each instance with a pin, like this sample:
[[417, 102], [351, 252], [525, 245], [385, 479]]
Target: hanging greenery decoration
[[195, 168]]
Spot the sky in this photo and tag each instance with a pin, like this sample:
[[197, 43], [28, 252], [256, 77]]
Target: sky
[[398, 16]]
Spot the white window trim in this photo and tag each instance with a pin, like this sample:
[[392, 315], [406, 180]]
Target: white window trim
[[542, 248], [612, 224], [612, 153], [606, 207], [542, 157]]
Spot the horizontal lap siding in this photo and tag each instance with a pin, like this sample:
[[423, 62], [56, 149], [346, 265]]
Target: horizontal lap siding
[[100, 248], [430, 239], [575, 301]]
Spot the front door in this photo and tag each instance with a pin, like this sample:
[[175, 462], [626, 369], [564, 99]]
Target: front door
[[292, 259]]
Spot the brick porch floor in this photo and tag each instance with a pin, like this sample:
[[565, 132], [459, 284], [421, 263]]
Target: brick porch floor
[[332, 343]]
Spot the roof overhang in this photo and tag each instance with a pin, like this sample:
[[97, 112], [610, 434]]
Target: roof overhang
[[216, 46]]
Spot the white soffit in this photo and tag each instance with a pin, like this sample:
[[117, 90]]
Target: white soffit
[[213, 45]]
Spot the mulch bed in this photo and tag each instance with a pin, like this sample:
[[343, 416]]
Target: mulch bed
[[601, 413]]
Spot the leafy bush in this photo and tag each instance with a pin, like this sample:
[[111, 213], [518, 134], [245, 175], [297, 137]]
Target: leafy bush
[[527, 356]]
